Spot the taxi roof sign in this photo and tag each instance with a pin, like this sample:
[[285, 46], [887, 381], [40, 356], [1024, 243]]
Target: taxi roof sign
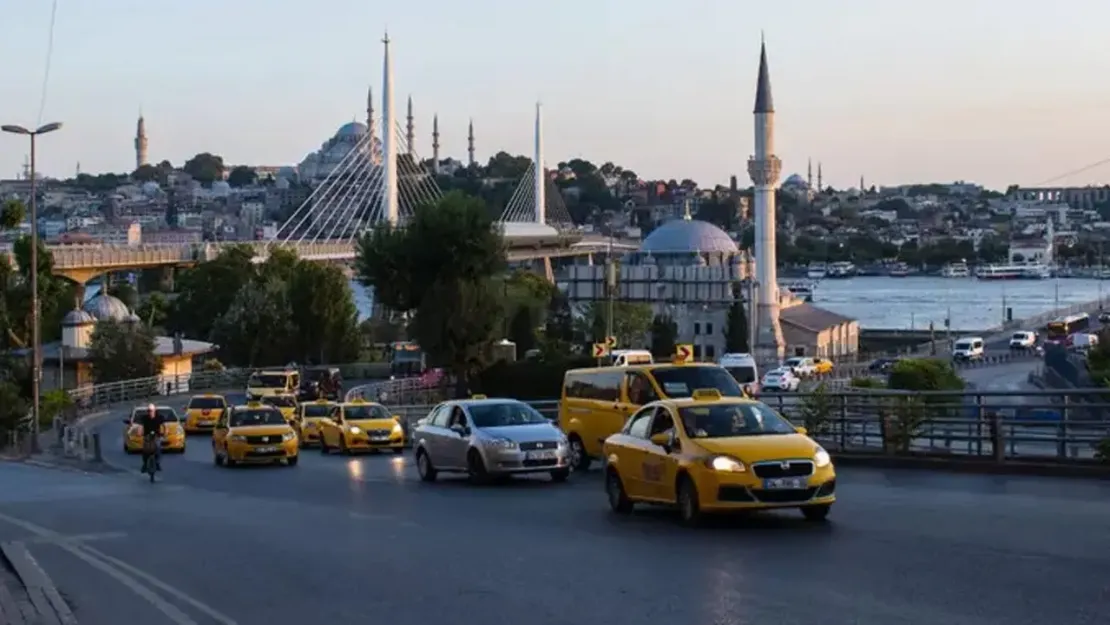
[[478, 397], [358, 400], [706, 394]]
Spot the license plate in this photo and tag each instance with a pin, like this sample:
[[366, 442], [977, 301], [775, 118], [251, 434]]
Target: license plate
[[785, 483], [265, 450], [379, 438], [205, 422], [540, 455]]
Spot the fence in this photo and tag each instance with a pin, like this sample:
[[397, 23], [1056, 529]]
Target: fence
[[1040, 426], [94, 398]]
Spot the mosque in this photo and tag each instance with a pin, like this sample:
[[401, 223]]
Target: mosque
[[67, 363], [692, 271]]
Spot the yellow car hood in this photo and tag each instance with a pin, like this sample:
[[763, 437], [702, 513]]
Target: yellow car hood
[[374, 424], [207, 413], [169, 429], [260, 430], [759, 448]]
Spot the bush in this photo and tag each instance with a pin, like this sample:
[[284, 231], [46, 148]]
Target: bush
[[212, 364], [816, 411], [905, 417], [1102, 450], [866, 382], [56, 403]]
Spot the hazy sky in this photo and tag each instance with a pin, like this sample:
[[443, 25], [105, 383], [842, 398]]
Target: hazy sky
[[993, 91]]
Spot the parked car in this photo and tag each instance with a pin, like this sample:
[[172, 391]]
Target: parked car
[[883, 365], [801, 366], [780, 380]]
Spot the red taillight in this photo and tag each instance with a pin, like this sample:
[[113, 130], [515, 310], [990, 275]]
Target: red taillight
[[205, 412]]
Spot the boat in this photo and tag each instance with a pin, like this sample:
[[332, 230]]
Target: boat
[[841, 270], [1014, 271], [899, 270], [817, 271], [956, 270], [801, 290]]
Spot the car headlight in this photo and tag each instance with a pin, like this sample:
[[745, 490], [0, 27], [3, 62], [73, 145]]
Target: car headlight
[[727, 464], [397, 429], [237, 438], [500, 443], [563, 443], [288, 436], [354, 429], [821, 458]]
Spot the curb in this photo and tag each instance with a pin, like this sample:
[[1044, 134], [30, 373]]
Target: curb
[[984, 466]]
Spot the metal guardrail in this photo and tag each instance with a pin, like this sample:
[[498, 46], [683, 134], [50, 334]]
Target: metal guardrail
[[1040, 426], [89, 399], [399, 392]]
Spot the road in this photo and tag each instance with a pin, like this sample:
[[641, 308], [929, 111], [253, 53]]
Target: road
[[356, 540]]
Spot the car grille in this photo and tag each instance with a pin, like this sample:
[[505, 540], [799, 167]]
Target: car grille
[[792, 468], [269, 439], [266, 454], [534, 445], [784, 496], [550, 462], [378, 432]]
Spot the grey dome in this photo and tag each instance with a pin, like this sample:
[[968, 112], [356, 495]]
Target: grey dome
[[77, 318], [683, 236], [107, 308], [795, 180], [354, 130]]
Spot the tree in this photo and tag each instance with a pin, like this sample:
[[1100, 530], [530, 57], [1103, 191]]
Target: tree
[[256, 328], [11, 215], [125, 293], [664, 333], [122, 351], [13, 407], [205, 168], [205, 292], [242, 176], [737, 331], [149, 173], [323, 314], [440, 267], [559, 327], [522, 330], [631, 322], [154, 310]]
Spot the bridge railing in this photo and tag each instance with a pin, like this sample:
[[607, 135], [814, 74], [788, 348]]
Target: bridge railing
[[88, 399], [992, 427]]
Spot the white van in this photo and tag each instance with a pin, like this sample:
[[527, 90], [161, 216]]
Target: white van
[[626, 357], [968, 348], [743, 369]]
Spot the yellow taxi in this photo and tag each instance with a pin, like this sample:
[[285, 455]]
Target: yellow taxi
[[254, 433], [361, 426], [710, 453], [309, 416], [596, 402], [285, 404], [173, 435], [202, 413], [822, 366], [273, 382]]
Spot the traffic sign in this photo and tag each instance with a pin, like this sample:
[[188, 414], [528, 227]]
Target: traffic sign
[[684, 353], [611, 341], [601, 350]]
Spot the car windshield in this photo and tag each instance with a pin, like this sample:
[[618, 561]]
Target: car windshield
[[315, 375], [314, 411], [280, 401], [681, 381], [505, 413], [256, 416], [365, 412], [963, 345], [207, 403], [1019, 336], [726, 420], [742, 374], [167, 414], [267, 381]]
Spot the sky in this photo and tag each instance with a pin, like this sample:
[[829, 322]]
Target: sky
[[990, 91]]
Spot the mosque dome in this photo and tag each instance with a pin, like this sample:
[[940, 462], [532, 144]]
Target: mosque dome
[[684, 236], [77, 318], [107, 308], [795, 180], [352, 130]]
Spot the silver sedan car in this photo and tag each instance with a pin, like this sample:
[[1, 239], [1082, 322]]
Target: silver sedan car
[[486, 438]]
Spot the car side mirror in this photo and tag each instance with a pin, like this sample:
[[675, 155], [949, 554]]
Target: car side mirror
[[460, 430], [801, 430], [662, 439]]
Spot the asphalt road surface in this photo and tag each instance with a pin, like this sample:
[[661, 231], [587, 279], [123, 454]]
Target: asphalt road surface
[[361, 540]]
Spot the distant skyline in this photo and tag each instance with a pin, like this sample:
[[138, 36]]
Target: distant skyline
[[896, 92]]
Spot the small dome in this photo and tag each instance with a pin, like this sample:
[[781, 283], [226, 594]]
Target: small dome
[[683, 236], [352, 130], [107, 308], [795, 180], [77, 318]]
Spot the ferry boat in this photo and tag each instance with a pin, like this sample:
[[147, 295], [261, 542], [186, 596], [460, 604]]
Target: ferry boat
[[817, 271], [1017, 271], [900, 270], [802, 290], [841, 270], [956, 270]]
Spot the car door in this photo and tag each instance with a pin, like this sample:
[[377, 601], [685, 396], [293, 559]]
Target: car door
[[658, 464], [632, 454], [219, 433], [432, 431], [455, 445], [329, 427]]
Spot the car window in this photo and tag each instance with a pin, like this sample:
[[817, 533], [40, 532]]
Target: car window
[[314, 411], [206, 403], [506, 413], [729, 420], [639, 388], [662, 423], [438, 416], [256, 416], [640, 423], [458, 417]]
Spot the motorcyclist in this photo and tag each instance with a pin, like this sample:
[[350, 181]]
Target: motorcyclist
[[151, 423]]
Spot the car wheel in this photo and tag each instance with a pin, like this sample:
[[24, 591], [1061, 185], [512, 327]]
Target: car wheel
[[217, 458], [291, 461], [579, 459], [324, 449], [424, 466], [560, 475], [614, 489], [476, 467], [343, 450], [689, 508], [818, 513]]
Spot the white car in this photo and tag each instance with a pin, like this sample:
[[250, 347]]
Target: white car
[[780, 380], [1023, 340], [801, 366]]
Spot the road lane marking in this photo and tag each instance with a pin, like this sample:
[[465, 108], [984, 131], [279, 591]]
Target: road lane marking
[[389, 518], [77, 538], [40, 588], [116, 569]]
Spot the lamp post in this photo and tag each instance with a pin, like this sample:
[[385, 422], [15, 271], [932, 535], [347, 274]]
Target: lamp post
[[36, 340]]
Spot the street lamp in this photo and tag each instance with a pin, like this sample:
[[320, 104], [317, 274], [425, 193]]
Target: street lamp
[[36, 340]]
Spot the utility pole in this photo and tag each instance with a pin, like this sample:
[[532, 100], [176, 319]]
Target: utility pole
[[611, 288]]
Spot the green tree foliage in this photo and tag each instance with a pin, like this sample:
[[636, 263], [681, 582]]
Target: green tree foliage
[[56, 295], [925, 374], [125, 293], [817, 410], [664, 334], [631, 323], [13, 408], [737, 331], [11, 214], [559, 322], [242, 176], [254, 329], [205, 292], [205, 168], [906, 415], [154, 310], [122, 351], [440, 268], [522, 330], [323, 313]]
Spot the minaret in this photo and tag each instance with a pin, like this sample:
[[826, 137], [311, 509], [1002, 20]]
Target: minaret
[[862, 189], [820, 180], [809, 174], [370, 132], [470, 144], [764, 168], [389, 141], [410, 130], [435, 144], [540, 177], [140, 143]]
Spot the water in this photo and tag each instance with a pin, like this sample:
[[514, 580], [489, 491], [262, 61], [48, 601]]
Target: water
[[911, 303]]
